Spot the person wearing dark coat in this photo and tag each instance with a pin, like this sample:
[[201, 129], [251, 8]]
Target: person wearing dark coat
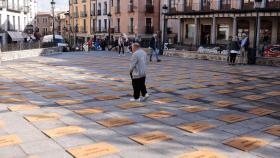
[[155, 47]]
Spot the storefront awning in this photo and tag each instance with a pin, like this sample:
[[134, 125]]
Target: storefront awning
[[16, 36]]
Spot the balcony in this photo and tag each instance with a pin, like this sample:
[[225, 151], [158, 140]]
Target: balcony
[[149, 29], [117, 29], [130, 29], [117, 10], [130, 8], [149, 8], [83, 14], [99, 12]]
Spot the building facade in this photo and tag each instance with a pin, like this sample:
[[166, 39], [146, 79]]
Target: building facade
[[103, 7], [82, 20], [205, 22], [44, 23], [16, 17], [136, 17]]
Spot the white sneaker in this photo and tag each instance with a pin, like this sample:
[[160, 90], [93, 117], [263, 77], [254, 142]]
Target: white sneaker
[[135, 100], [145, 97]]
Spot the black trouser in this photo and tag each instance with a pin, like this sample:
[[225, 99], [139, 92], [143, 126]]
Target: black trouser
[[139, 86], [232, 57], [121, 48]]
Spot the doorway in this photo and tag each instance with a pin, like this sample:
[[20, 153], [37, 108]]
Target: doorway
[[205, 35]]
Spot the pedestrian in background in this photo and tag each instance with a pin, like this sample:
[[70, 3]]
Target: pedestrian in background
[[137, 71], [234, 48], [244, 49], [155, 46], [121, 45]]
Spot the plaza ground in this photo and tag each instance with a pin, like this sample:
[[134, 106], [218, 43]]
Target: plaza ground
[[77, 105]]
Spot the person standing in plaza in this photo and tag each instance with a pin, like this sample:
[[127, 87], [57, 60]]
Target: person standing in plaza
[[121, 45], [233, 48], [155, 46], [137, 72], [244, 49]]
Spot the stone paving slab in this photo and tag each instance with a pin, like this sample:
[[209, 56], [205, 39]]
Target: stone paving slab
[[49, 94]]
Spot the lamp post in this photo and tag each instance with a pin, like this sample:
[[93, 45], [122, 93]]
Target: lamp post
[[109, 31], [258, 4], [53, 5], [164, 11]]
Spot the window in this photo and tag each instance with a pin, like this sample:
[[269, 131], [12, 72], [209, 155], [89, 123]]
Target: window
[[105, 8], [131, 25], [223, 32], [118, 24], [189, 31], [14, 22], [149, 22], [99, 25], [149, 2], [85, 25], [105, 24]]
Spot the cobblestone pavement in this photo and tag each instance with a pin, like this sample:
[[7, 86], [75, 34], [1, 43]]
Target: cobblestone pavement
[[77, 105]]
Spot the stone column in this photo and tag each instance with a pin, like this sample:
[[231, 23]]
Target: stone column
[[234, 27], [213, 34], [195, 39], [274, 31], [179, 30]]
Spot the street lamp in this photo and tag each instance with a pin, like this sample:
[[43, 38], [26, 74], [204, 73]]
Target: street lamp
[[258, 4], [164, 11], [109, 31], [53, 5]]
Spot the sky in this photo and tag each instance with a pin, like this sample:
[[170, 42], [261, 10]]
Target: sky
[[45, 5]]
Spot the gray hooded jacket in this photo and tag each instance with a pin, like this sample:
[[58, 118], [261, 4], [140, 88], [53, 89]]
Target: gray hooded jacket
[[138, 64]]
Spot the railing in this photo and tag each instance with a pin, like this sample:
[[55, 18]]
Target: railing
[[149, 8], [98, 12], [149, 29], [83, 14], [26, 46], [130, 7]]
